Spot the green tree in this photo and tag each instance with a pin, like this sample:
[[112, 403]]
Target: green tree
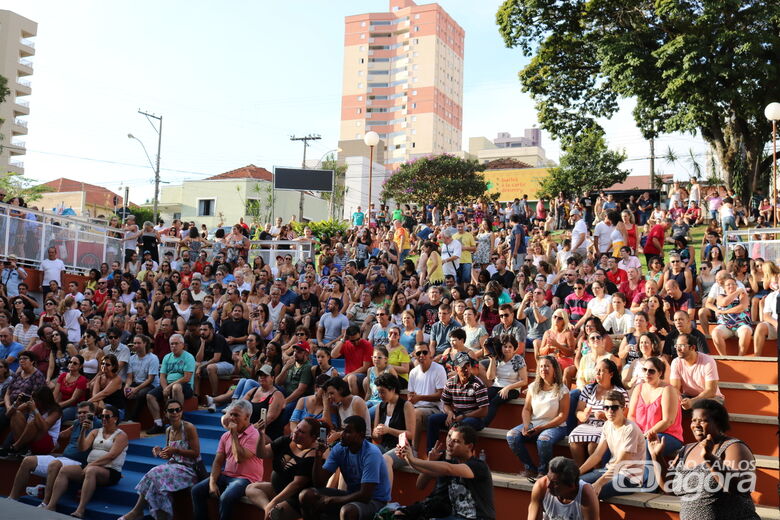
[[443, 179], [16, 185], [586, 164], [709, 66], [336, 198], [261, 203]]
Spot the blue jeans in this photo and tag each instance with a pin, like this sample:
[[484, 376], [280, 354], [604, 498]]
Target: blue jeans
[[728, 223], [464, 273], [436, 423], [243, 387], [571, 420], [544, 445], [609, 489], [231, 489], [496, 401]]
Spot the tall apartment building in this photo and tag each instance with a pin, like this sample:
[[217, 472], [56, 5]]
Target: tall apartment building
[[403, 79], [16, 48]]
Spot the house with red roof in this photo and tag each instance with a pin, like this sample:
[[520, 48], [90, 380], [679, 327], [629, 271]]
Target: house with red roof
[[224, 199], [82, 198]]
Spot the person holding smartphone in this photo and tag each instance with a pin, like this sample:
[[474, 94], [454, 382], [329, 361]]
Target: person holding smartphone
[[293, 457], [26, 380]]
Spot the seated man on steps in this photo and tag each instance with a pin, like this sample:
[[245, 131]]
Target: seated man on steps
[[465, 400], [561, 494], [693, 374], [363, 470], [175, 381], [49, 466], [464, 484], [236, 451]]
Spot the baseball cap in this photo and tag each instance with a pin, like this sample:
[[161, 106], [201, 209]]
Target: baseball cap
[[463, 359], [267, 370], [303, 345]]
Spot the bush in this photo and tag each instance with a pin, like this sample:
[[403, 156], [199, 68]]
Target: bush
[[323, 230]]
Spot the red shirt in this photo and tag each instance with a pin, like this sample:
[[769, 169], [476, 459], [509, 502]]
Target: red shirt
[[658, 233], [67, 390], [631, 293], [100, 297], [617, 277], [161, 345], [355, 355]]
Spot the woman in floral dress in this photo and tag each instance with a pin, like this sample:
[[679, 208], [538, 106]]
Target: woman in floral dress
[[182, 450]]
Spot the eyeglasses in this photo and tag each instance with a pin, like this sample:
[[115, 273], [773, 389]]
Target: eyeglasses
[[48, 304], [557, 317], [112, 337], [173, 410], [595, 337], [420, 353], [505, 315], [674, 261], [381, 314], [73, 362], [579, 288], [300, 333], [612, 407], [649, 370], [106, 416]]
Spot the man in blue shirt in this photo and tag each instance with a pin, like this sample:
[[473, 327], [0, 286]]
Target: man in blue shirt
[[11, 276], [362, 468], [9, 349], [517, 243], [358, 217], [48, 466]]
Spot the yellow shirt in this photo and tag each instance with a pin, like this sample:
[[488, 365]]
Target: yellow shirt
[[433, 265], [401, 239], [466, 240], [397, 357]]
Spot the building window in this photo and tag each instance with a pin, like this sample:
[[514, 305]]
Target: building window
[[206, 207], [362, 60], [177, 216]]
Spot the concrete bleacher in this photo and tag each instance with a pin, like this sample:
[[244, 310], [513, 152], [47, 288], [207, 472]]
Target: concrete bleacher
[[750, 385]]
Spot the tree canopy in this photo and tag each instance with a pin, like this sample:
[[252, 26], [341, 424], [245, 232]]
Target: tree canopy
[[16, 185], [586, 164], [443, 179], [709, 66]]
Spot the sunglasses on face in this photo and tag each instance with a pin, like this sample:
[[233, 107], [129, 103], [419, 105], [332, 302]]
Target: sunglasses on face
[[504, 315], [595, 337], [612, 407], [649, 370], [421, 353], [112, 337], [173, 410]]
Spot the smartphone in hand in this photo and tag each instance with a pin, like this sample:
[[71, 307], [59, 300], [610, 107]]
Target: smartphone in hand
[[402, 440], [263, 414], [323, 435]]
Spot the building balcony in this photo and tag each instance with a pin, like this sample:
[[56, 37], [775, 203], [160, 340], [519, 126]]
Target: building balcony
[[22, 87], [25, 67], [21, 107], [18, 127], [26, 47], [17, 148], [16, 167]]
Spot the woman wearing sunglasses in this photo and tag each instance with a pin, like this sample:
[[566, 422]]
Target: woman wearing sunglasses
[[655, 407], [106, 387], [108, 447], [182, 451]]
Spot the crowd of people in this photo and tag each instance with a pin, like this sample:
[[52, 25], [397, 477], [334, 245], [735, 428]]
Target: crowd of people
[[432, 311]]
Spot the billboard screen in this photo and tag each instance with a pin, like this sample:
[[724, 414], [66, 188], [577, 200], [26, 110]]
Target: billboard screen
[[300, 179]]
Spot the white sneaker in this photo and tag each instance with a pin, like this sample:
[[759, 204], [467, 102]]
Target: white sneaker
[[212, 406], [43, 505], [36, 491]]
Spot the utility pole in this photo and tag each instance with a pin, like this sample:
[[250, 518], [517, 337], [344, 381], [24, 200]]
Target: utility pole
[[652, 163], [157, 129], [306, 139]]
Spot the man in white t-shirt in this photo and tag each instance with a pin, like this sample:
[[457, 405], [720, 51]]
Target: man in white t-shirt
[[451, 251], [52, 269], [767, 329], [426, 384], [602, 235], [709, 307], [579, 234]]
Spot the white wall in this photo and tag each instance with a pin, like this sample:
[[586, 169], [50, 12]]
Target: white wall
[[356, 183]]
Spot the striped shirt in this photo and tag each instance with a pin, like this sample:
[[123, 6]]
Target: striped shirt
[[465, 398], [576, 306]]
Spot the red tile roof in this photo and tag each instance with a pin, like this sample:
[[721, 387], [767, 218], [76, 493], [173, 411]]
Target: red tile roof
[[247, 172], [96, 195]]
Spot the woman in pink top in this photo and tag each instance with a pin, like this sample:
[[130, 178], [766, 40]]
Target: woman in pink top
[[655, 407]]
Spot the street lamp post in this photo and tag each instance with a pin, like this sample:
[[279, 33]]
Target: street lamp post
[[155, 165], [772, 112], [371, 139]]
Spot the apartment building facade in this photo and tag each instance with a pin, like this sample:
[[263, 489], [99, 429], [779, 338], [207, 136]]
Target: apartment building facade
[[403, 79], [16, 50]]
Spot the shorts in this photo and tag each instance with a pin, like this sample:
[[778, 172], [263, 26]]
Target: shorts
[[565, 362], [158, 391], [425, 412], [224, 368], [398, 462], [731, 332], [44, 461], [771, 332], [366, 510]]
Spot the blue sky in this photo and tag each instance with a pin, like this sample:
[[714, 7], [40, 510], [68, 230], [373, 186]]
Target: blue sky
[[233, 80]]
